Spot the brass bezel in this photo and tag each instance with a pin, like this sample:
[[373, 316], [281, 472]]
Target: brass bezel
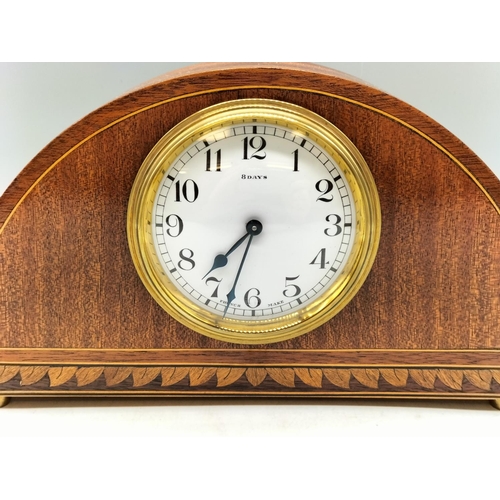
[[337, 296]]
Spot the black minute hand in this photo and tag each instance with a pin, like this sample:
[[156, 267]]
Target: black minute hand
[[254, 227]]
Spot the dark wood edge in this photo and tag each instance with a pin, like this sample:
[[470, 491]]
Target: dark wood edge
[[216, 68], [205, 78], [252, 357]]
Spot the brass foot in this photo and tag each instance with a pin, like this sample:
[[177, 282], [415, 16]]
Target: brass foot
[[495, 403], [4, 401]]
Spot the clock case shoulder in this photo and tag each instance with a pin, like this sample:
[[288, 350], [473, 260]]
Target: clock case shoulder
[[206, 77]]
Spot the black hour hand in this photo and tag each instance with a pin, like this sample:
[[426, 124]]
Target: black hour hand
[[221, 260], [253, 228]]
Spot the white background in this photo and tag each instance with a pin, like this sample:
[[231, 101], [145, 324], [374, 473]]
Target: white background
[[361, 445]]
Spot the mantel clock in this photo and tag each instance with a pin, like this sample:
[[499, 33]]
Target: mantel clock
[[252, 229]]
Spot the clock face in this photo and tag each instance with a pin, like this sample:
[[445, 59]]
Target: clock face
[[302, 211], [253, 221]]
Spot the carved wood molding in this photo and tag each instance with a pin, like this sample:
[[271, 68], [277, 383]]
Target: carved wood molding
[[258, 379]]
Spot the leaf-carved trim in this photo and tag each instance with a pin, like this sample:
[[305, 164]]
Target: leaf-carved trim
[[172, 375], [256, 375], [310, 376], [116, 375], [341, 377], [479, 378], [87, 375], [228, 376], [143, 376], [496, 375], [61, 374], [398, 377], [424, 378], [452, 378], [284, 376], [367, 376], [32, 374], [8, 372], [200, 375]]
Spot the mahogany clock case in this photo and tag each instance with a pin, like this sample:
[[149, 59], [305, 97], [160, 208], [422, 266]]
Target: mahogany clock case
[[75, 318]]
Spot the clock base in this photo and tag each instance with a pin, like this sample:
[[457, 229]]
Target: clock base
[[4, 401]]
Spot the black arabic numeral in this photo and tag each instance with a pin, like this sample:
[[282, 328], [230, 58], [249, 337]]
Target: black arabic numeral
[[256, 143], [336, 225], [322, 259], [189, 191], [324, 186], [215, 293], [248, 297], [294, 289], [175, 224], [186, 263], [296, 160], [217, 160]]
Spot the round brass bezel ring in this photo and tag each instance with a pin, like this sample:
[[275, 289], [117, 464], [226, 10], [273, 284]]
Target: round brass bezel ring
[[328, 303]]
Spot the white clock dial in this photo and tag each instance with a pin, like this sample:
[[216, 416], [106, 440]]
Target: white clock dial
[[276, 176], [253, 221]]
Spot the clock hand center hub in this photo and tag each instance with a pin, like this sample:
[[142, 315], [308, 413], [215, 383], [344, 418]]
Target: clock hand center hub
[[254, 227]]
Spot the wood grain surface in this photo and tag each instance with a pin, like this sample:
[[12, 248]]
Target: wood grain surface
[[68, 284]]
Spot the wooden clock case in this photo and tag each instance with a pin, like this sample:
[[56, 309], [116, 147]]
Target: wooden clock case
[[75, 318]]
